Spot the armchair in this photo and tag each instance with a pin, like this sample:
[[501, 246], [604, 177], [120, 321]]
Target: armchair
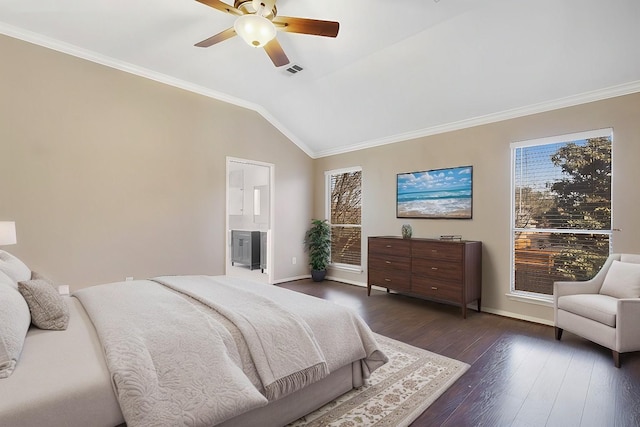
[[605, 309]]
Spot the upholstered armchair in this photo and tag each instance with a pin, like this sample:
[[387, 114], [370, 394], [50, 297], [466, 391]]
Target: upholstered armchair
[[605, 309]]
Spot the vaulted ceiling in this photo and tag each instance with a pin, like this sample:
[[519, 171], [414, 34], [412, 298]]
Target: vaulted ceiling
[[397, 70]]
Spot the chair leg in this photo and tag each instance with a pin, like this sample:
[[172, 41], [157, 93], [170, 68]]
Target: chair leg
[[616, 358], [558, 333]]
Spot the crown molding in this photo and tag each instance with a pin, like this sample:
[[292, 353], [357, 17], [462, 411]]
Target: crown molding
[[570, 101], [583, 98], [69, 49]]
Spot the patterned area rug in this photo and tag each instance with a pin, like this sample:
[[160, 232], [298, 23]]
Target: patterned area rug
[[396, 394]]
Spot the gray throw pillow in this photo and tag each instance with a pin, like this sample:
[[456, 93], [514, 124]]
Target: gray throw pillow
[[48, 309], [622, 280], [14, 324]]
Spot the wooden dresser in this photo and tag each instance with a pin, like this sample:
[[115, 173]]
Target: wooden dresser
[[439, 270]]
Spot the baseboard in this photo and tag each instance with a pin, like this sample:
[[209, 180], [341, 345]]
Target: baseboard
[[518, 316], [291, 279], [472, 306], [354, 283]]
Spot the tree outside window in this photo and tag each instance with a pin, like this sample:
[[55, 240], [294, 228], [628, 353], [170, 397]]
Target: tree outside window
[[345, 215], [561, 209]]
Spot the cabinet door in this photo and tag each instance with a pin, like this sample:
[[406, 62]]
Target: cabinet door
[[240, 247], [263, 250]]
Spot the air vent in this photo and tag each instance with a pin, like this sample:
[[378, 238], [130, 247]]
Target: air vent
[[294, 69]]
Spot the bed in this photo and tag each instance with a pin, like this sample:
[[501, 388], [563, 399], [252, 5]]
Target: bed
[[94, 371]]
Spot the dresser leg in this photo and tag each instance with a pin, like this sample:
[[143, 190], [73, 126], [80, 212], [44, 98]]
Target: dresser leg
[[368, 290], [479, 305]]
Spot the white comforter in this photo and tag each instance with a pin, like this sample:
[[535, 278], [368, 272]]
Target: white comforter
[[173, 349]]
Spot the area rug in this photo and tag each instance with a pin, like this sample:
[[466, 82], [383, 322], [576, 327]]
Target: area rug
[[396, 394]]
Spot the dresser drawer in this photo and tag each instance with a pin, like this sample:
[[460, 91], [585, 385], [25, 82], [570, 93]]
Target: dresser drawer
[[383, 262], [392, 279], [438, 250], [431, 268], [436, 289], [396, 247]]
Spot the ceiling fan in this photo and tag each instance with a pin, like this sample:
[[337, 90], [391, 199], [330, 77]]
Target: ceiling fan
[[257, 23]]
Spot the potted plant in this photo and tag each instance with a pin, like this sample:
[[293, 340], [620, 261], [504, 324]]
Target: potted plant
[[318, 243]]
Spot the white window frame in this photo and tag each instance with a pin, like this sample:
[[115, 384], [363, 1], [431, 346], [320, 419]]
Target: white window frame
[[534, 297], [327, 211]]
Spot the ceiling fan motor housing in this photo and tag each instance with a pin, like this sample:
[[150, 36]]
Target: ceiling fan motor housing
[[252, 6]]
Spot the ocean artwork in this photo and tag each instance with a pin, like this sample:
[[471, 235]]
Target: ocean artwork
[[438, 193]]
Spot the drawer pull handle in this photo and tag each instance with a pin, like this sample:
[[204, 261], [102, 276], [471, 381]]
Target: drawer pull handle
[[387, 280], [388, 246], [434, 268], [435, 251], [388, 262], [434, 288]]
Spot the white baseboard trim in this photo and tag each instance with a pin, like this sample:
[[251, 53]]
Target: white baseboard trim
[[347, 281], [291, 279], [518, 316], [353, 282], [472, 306]]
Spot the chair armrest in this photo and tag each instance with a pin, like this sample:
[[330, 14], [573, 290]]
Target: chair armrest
[[572, 288], [628, 325]]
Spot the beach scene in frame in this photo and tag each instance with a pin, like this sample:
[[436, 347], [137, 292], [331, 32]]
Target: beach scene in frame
[[437, 193]]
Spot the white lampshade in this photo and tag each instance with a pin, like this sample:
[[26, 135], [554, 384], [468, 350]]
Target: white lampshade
[[8, 233], [255, 30]]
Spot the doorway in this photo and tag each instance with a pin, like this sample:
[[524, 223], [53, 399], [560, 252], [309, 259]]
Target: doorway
[[249, 222]]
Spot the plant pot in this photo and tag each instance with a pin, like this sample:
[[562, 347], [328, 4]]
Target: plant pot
[[318, 275]]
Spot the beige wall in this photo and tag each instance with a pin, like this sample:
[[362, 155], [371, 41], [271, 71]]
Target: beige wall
[[487, 149], [109, 175]]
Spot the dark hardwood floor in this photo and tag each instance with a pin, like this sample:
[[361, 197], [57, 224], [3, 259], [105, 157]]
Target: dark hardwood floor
[[519, 376]]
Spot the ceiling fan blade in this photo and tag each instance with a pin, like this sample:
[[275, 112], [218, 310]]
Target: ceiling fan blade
[[275, 52], [220, 37], [306, 26], [222, 6]]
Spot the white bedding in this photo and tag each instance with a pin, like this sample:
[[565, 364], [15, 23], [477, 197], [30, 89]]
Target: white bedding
[[62, 378]]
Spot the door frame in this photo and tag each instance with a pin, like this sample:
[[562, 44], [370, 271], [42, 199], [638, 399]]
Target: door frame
[[270, 229]]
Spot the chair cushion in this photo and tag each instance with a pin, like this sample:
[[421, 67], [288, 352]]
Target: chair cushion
[[622, 280], [601, 308]]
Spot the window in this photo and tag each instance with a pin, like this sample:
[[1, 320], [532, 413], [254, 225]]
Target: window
[[561, 210], [344, 199]]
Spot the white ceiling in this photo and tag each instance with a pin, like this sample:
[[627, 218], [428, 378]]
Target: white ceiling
[[397, 70]]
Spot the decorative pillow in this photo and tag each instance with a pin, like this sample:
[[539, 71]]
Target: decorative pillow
[[8, 280], [14, 268], [48, 309], [14, 324], [635, 258], [622, 280]]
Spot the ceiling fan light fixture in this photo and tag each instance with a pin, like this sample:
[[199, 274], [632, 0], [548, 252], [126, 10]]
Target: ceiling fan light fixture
[[256, 30]]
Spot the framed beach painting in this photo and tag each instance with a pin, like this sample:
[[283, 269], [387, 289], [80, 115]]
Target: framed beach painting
[[438, 193]]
